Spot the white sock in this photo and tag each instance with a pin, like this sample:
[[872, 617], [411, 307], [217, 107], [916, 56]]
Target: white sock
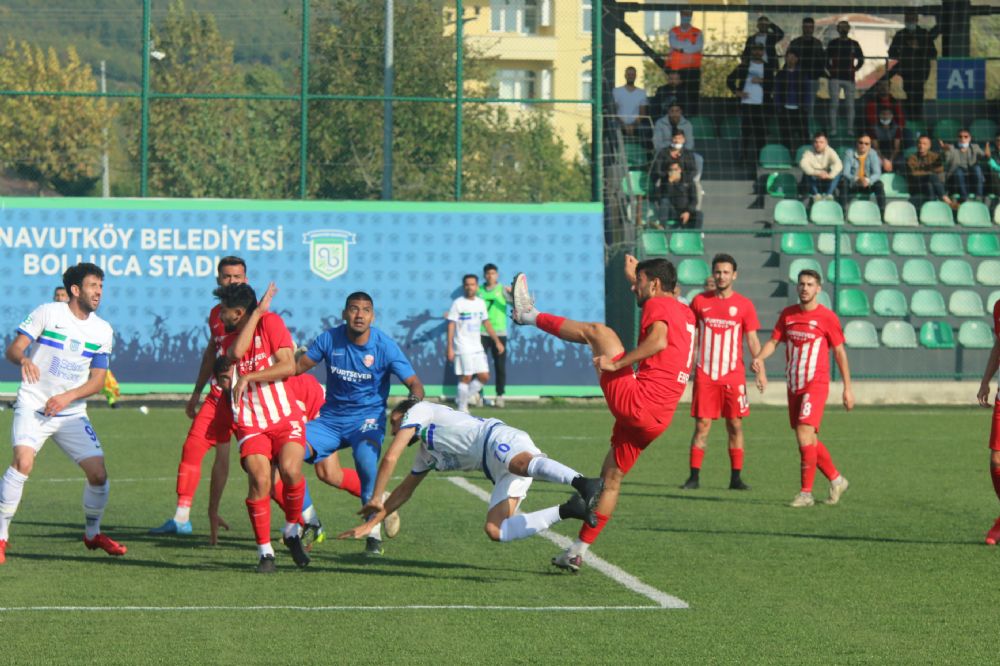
[[11, 488], [547, 469], [183, 514], [265, 549], [291, 529], [527, 317], [475, 386], [309, 516], [376, 533], [95, 498], [579, 548], [463, 395], [525, 524]]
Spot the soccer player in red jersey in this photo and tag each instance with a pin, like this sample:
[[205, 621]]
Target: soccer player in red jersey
[[725, 318], [268, 420], [809, 331], [993, 536], [642, 401]]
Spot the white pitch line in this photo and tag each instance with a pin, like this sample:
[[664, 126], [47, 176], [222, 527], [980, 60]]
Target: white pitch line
[[169, 609], [82, 478], [620, 576]]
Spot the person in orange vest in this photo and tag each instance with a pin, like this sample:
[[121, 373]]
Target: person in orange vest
[[686, 45]]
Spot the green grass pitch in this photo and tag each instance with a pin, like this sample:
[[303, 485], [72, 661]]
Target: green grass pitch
[[897, 573]]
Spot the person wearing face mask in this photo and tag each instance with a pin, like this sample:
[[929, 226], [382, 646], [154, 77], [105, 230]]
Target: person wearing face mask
[[668, 125], [883, 99], [790, 99], [752, 82], [671, 178], [961, 164], [913, 48], [767, 37], [686, 45], [887, 139], [843, 60]]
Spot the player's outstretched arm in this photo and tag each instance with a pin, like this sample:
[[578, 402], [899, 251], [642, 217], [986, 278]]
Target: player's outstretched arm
[[388, 465], [840, 355], [398, 498], [93, 385], [654, 342], [283, 368], [15, 354], [992, 364], [415, 386]]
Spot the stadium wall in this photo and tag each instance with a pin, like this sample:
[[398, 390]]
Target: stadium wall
[[160, 256]]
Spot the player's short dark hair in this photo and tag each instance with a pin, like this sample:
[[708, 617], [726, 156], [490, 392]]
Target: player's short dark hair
[[924, 136], [723, 258], [404, 406], [490, 267], [221, 365], [809, 19], [230, 261], [660, 269], [678, 132], [470, 275], [808, 272], [237, 296], [75, 275], [58, 288], [358, 296], [819, 134]]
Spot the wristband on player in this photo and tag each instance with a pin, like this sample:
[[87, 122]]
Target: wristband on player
[[414, 396]]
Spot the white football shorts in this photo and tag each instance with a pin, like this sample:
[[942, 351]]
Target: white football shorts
[[73, 434], [503, 445], [472, 363]]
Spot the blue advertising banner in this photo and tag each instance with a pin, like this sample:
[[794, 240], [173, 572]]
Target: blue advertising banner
[[159, 258], [961, 78]]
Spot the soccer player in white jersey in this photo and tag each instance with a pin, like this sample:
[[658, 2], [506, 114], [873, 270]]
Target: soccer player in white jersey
[[725, 318], [62, 350], [810, 331], [465, 348], [453, 440]]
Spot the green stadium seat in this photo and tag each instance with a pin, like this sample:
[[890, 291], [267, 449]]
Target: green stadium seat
[[947, 245], [996, 215], [852, 303], [988, 273], [881, 271], [889, 303], [983, 245], [936, 214], [975, 335], [983, 130], [966, 303], [918, 127], [937, 335], [827, 244], [636, 155], [946, 130], [956, 273], [919, 272], [687, 243], [805, 147], [654, 244], [692, 272], [790, 212], [901, 214], [912, 150], [899, 335], [864, 214], [800, 265], [635, 184], [797, 243], [704, 128], [827, 213], [928, 303], [861, 334], [782, 186], [824, 300], [775, 156], [694, 292], [895, 186], [848, 273], [909, 245], [842, 150], [729, 126], [872, 244], [974, 214], [991, 300]]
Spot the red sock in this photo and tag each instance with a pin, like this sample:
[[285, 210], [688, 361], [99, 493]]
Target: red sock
[[808, 454], [260, 518], [825, 462], [351, 482], [549, 323], [995, 475], [188, 476], [589, 534], [278, 493], [293, 495], [697, 455], [736, 459]]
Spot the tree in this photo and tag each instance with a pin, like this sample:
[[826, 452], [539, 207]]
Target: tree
[[55, 141]]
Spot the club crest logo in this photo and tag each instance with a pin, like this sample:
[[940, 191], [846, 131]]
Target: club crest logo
[[328, 251], [368, 360], [74, 345], [732, 310]]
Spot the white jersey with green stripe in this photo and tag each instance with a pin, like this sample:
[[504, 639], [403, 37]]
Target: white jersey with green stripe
[[64, 349], [449, 439]]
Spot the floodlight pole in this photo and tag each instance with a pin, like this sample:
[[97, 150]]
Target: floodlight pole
[[144, 104]]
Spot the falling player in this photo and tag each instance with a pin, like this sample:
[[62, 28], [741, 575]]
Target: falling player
[[69, 351], [993, 535], [809, 331], [725, 318], [453, 440], [643, 401]]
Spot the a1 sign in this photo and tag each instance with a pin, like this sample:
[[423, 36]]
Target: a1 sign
[[961, 78]]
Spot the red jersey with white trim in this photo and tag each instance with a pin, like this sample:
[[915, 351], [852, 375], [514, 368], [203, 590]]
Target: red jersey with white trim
[[664, 375], [264, 405], [722, 324], [216, 334], [808, 337], [308, 394]]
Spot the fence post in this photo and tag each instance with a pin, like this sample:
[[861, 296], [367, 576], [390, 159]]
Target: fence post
[[459, 93], [304, 104], [836, 286], [144, 104], [596, 101]]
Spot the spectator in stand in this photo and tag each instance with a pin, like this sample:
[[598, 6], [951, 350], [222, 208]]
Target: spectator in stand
[[961, 164], [887, 140], [924, 169], [673, 153], [676, 199], [843, 60], [672, 92], [631, 105], [790, 90], [862, 173], [752, 82], [913, 48], [669, 125], [993, 155], [767, 37], [812, 61], [821, 168], [686, 45], [883, 99]]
